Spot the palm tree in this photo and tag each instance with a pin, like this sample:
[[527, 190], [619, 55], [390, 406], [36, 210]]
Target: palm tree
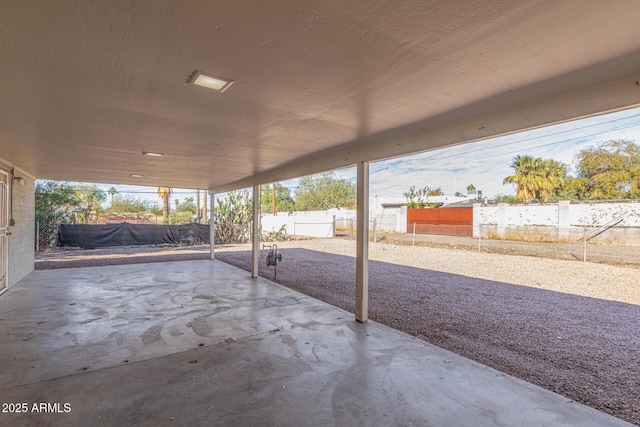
[[526, 177], [112, 192], [554, 175], [536, 178], [165, 194], [198, 206], [471, 188]]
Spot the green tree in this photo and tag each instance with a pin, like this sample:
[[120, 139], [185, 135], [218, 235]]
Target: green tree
[[185, 212], [324, 191], [471, 188], [284, 201], [181, 217], [420, 198], [54, 202], [188, 206], [413, 197], [503, 198], [609, 170], [124, 204], [434, 191], [155, 210], [569, 190], [89, 199]]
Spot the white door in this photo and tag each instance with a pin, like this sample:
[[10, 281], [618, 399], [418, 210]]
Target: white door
[[4, 232]]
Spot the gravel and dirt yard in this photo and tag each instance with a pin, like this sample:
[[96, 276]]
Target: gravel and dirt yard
[[568, 326], [570, 250]]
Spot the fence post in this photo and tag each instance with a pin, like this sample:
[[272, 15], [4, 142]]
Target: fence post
[[38, 236], [375, 239], [414, 235], [501, 217], [480, 238], [294, 230], [350, 228], [334, 226], [584, 250]]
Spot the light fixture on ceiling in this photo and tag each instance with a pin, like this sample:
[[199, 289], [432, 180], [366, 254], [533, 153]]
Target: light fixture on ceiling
[[152, 154], [217, 83], [136, 175]]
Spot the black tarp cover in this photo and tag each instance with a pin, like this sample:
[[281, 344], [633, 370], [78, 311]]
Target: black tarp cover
[[125, 234]]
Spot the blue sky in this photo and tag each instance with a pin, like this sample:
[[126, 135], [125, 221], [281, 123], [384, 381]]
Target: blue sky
[[483, 164]]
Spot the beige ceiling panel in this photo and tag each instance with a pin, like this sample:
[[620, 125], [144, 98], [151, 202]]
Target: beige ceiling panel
[[86, 87]]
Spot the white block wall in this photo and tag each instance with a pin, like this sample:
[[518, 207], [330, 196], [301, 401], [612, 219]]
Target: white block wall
[[592, 214], [312, 225], [569, 219], [389, 219]]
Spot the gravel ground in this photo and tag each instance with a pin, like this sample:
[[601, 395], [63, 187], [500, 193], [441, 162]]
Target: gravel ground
[[568, 326], [600, 253]]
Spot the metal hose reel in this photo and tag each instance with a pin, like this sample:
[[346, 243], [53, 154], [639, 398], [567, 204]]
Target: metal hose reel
[[273, 256]]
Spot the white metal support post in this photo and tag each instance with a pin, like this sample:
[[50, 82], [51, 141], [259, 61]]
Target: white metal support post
[[362, 243], [255, 232], [212, 229]]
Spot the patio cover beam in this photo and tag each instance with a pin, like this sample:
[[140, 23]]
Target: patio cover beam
[[212, 229], [362, 242], [255, 232]]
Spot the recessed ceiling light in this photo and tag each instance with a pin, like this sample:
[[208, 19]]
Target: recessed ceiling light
[[136, 175], [217, 83], [152, 154]]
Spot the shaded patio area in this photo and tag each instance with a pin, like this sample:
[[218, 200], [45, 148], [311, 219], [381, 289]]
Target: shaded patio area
[[201, 343]]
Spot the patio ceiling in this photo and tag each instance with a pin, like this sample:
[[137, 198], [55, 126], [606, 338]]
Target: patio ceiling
[[87, 86]]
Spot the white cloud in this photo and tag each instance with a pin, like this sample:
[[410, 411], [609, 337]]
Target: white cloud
[[485, 164]]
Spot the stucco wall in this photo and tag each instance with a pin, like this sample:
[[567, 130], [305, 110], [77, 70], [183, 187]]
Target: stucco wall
[[315, 224], [22, 238], [566, 219], [320, 223], [580, 214], [387, 219]]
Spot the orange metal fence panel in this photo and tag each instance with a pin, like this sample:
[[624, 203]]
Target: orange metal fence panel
[[450, 221]]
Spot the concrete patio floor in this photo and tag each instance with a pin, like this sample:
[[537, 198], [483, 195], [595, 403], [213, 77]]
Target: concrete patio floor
[[201, 343]]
